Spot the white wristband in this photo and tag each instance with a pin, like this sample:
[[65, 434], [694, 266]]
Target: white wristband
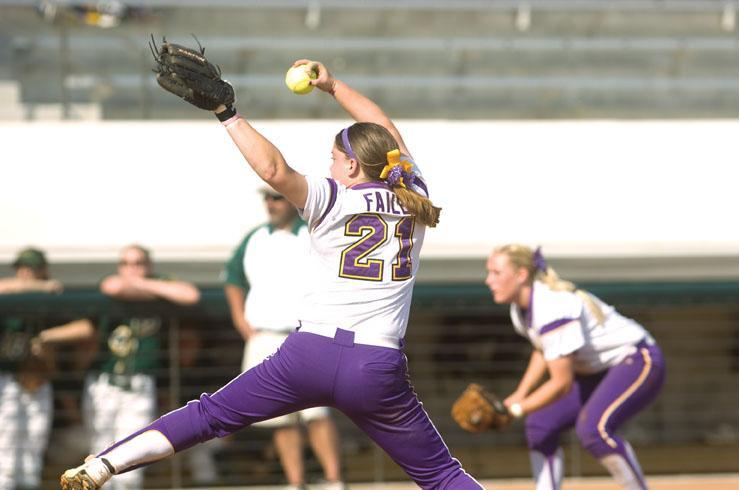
[[516, 410]]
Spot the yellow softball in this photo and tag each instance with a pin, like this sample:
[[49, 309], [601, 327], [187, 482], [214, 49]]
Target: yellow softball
[[298, 79]]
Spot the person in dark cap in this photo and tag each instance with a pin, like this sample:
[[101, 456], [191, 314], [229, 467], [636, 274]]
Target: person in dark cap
[[26, 363], [31, 274]]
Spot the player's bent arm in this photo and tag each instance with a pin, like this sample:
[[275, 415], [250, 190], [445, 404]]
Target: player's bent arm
[[180, 292], [360, 107], [14, 285], [561, 377], [235, 298], [81, 329], [119, 287], [149, 289], [363, 109], [534, 373], [75, 331], [268, 162]]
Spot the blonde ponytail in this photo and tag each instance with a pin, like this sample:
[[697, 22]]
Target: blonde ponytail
[[522, 256], [370, 144], [419, 206], [553, 282]]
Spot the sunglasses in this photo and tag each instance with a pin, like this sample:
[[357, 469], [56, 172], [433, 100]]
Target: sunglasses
[[135, 263], [273, 197]]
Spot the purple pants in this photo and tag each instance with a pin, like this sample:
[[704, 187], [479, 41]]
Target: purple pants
[[598, 405], [369, 384]]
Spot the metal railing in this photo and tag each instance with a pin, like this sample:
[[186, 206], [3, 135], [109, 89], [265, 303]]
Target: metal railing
[[456, 335]]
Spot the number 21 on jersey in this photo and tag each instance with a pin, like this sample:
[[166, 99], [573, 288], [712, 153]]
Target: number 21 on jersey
[[372, 230]]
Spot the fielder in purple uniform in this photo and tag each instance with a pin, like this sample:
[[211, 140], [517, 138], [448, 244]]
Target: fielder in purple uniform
[[603, 368], [367, 225]]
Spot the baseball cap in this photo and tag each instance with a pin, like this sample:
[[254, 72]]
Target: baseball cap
[[30, 257], [268, 191]]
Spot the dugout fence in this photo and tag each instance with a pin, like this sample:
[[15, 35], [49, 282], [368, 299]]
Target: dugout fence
[[456, 335]]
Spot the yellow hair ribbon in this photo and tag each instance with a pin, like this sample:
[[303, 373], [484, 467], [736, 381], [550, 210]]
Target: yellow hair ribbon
[[393, 160]]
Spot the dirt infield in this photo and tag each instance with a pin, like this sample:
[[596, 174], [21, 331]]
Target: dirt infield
[[692, 482], [678, 482]]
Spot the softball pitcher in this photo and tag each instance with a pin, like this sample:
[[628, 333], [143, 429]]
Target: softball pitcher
[[367, 225], [603, 367]]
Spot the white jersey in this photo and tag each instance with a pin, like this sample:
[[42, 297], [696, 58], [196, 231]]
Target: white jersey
[[273, 264], [363, 257], [559, 323]]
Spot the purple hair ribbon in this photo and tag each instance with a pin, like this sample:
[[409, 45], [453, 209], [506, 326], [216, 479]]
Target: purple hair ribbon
[[397, 173], [539, 261]]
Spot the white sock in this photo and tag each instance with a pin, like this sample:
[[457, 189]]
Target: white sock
[[548, 471], [628, 474], [147, 447], [202, 463]]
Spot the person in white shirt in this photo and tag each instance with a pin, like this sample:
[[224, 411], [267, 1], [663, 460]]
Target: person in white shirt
[[602, 367], [367, 224], [264, 288]]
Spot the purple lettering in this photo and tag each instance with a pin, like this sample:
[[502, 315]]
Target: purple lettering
[[380, 205], [368, 198], [391, 203]]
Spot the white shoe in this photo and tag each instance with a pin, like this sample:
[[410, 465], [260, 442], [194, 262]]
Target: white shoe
[[91, 475]]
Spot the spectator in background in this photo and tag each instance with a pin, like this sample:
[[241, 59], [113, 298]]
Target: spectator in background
[[26, 363], [264, 282], [31, 275], [120, 393]]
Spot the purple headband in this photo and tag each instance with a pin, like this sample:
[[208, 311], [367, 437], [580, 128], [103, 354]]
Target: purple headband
[[347, 146], [539, 261]]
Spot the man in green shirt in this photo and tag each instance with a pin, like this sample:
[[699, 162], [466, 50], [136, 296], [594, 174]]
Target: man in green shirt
[[120, 393]]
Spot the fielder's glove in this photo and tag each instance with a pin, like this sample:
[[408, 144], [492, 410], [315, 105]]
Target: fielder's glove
[[188, 74], [477, 410]]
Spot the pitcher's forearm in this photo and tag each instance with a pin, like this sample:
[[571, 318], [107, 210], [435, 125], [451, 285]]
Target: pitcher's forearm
[[360, 107], [363, 109]]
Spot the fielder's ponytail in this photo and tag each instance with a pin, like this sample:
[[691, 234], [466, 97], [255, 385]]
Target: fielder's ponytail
[[522, 256]]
